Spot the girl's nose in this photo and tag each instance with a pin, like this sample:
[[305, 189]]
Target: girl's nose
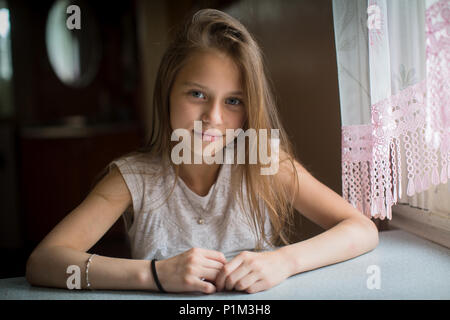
[[213, 113]]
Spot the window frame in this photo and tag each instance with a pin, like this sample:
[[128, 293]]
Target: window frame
[[427, 224]]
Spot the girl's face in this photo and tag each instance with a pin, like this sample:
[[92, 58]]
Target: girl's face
[[208, 88]]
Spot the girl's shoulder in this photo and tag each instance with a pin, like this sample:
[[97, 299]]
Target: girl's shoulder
[[139, 163]]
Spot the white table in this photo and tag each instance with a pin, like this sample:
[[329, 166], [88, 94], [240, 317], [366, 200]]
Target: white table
[[409, 268]]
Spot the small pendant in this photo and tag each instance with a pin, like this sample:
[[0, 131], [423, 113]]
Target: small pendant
[[200, 221]]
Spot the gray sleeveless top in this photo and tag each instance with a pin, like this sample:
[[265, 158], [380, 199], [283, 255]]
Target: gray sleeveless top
[[160, 228]]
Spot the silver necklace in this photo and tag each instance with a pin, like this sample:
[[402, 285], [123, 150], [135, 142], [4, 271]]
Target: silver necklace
[[200, 218]]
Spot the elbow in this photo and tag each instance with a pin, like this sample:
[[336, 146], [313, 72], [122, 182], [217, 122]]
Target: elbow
[[32, 268], [29, 268], [371, 235], [365, 235]]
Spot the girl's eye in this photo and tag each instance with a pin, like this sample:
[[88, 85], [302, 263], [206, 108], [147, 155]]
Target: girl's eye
[[200, 95], [234, 101], [197, 94]]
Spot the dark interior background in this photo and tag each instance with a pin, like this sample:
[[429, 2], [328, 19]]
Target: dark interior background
[[47, 166]]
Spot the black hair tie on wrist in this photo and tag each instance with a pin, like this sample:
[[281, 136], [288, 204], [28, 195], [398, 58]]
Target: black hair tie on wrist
[[155, 276]]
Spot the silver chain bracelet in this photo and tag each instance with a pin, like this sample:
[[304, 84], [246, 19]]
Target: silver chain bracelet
[[88, 285]]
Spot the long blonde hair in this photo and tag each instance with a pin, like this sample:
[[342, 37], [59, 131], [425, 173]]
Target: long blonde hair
[[214, 29]]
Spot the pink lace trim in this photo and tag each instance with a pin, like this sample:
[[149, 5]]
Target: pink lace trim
[[371, 157], [417, 119]]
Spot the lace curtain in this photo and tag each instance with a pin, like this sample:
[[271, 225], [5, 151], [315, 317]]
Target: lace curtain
[[392, 59]]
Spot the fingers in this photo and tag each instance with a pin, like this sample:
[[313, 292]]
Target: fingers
[[226, 271], [245, 282], [257, 286], [201, 264], [236, 275], [208, 269], [208, 273], [212, 264], [214, 255], [203, 286]]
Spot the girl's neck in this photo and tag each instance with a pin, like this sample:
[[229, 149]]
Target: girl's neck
[[199, 177]]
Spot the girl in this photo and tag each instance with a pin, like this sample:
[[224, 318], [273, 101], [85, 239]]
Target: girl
[[208, 227]]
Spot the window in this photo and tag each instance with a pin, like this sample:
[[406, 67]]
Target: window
[[426, 214], [6, 105]]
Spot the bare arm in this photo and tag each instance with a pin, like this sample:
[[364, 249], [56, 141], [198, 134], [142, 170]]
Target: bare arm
[[48, 266], [348, 232], [67, 244], [344, 241]]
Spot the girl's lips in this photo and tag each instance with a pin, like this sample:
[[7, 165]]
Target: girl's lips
[[207, 137], [204, 133]]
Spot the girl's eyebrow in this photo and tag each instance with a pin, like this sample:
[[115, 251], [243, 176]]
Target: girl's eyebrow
[[190, 83]]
